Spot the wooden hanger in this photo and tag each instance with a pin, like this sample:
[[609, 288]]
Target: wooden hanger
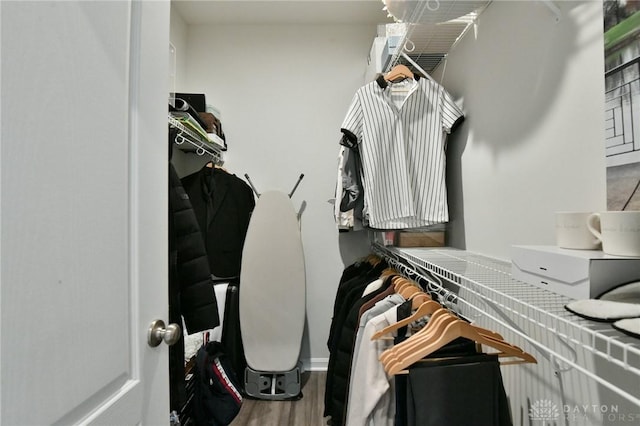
[[398, 72], [395, 352], [400, 284], [387, 272], [372, 259], [410, 291], [211, 165], [436, 325], [426, 308], [453, 330], [422, 305], [406, 289], [418, 299]]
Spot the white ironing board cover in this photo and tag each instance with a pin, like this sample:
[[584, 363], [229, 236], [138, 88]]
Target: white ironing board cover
[[272, 286]]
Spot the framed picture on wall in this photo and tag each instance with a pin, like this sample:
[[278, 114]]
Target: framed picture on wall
[[622, 103]]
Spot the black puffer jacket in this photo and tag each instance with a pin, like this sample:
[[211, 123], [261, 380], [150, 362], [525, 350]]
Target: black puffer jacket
[[190, 266], [191, 294]]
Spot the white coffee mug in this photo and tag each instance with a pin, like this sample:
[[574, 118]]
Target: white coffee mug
[[620, 232], [572, 231]]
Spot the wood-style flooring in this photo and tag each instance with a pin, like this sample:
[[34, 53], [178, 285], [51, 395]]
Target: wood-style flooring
[[307, 411]]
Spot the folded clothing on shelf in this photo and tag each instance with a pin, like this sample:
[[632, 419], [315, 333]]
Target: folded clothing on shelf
[[182, 105], [212, 124]]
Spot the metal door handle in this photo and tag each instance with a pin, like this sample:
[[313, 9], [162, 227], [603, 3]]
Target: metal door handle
[[157, 333]]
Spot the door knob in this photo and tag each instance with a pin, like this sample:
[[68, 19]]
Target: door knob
[[157, 333]]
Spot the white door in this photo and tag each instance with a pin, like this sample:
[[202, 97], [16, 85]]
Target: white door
[[83, 209]]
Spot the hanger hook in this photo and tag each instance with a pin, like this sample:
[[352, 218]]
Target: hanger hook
[[435, 2], [452, 298], [200, 150], [432, 286]]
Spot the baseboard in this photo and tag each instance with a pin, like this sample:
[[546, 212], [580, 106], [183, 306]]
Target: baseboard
[[315, 364]]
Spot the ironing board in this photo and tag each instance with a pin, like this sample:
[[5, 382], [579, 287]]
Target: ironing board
[[272, 286]]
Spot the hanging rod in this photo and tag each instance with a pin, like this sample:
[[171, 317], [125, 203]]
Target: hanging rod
[[201, 146]]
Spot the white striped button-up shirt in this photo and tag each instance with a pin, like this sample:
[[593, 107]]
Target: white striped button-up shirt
[[400, 131]]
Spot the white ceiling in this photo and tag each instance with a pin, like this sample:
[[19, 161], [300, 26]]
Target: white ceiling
[[432, 37], [281, 11]]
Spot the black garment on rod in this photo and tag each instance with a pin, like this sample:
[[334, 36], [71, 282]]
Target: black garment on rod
[[339, 368], [191, 294], [223, 204], [358, 275], [459, 347], [459, 391]]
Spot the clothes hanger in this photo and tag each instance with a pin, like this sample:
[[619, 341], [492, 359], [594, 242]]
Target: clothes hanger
[[399, 72], [440, 318], [423, 305], [438, 323], [418, 299], [387, 272], [410, 291], [398, 282], [395, 365], [394, 353], [212, 165], [401, 283], [417, 66], [404, 286], [490, 334], [428, 307], [372, 259], [453, 330]]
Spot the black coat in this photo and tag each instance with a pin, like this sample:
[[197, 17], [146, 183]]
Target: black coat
[[345, 325], [223, 204], [189, 267], [191, 293], [358, 273]]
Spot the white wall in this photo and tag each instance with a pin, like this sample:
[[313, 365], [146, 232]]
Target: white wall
[[178, 37], [283, 92], [533, 140]]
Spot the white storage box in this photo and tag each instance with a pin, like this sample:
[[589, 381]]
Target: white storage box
[[378, 58], [579, 274]]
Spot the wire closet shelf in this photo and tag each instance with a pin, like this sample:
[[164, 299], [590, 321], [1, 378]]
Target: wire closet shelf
[[477, 286], [196, 142], [430, 29]]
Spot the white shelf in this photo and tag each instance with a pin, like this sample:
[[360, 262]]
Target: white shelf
[[475, 285]]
